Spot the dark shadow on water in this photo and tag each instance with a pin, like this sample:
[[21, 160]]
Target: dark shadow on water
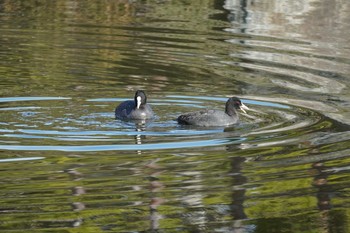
[[238, 195]]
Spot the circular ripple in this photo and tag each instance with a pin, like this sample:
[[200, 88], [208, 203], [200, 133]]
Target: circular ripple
[[63, 124]]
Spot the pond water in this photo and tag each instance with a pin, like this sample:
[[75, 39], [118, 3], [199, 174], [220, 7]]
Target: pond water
[[68, 166]]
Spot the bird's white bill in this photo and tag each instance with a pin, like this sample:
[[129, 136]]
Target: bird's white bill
[[138, 99], [243, 108]]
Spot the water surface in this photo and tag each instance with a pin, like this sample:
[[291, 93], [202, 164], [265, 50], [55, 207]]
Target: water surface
[[68, 166]]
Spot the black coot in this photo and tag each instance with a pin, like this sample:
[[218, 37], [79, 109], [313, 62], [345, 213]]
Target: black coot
[[136, 109], [215, 117]]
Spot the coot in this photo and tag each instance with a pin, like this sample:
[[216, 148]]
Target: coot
[[136, 109], [215, 117]]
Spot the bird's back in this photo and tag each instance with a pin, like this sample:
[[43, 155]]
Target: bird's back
[[207, 118], [124, 109]]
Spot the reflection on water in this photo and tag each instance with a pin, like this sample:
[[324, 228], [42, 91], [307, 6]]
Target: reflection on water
[[67, 163]]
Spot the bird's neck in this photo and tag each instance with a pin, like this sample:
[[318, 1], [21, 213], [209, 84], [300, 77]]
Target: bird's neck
[[141, 106], [230, 111]]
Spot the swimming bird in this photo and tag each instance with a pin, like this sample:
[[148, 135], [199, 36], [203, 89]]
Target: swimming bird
[[215, 117], [136, 109]]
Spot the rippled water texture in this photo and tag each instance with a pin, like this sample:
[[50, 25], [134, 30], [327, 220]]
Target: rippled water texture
[[68, 166]]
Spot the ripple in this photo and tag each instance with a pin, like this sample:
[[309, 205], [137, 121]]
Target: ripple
[[20, 159], [91, 130], [175, 145], [16, 99]]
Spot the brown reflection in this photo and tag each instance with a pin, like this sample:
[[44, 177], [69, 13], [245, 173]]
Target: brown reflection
[[323, 194], [238, 195], [77, 191], [155, 186], [320, 182], [87, 10]]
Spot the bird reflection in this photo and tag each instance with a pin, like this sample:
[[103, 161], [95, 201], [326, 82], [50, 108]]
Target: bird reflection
[[155, 185], [140, 126]]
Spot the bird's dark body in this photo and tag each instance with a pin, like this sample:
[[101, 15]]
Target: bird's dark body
[[128, 110], [207, 118], [214, 117]]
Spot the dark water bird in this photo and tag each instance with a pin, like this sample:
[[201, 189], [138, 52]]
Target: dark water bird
[[136, 109], [215, 117]]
